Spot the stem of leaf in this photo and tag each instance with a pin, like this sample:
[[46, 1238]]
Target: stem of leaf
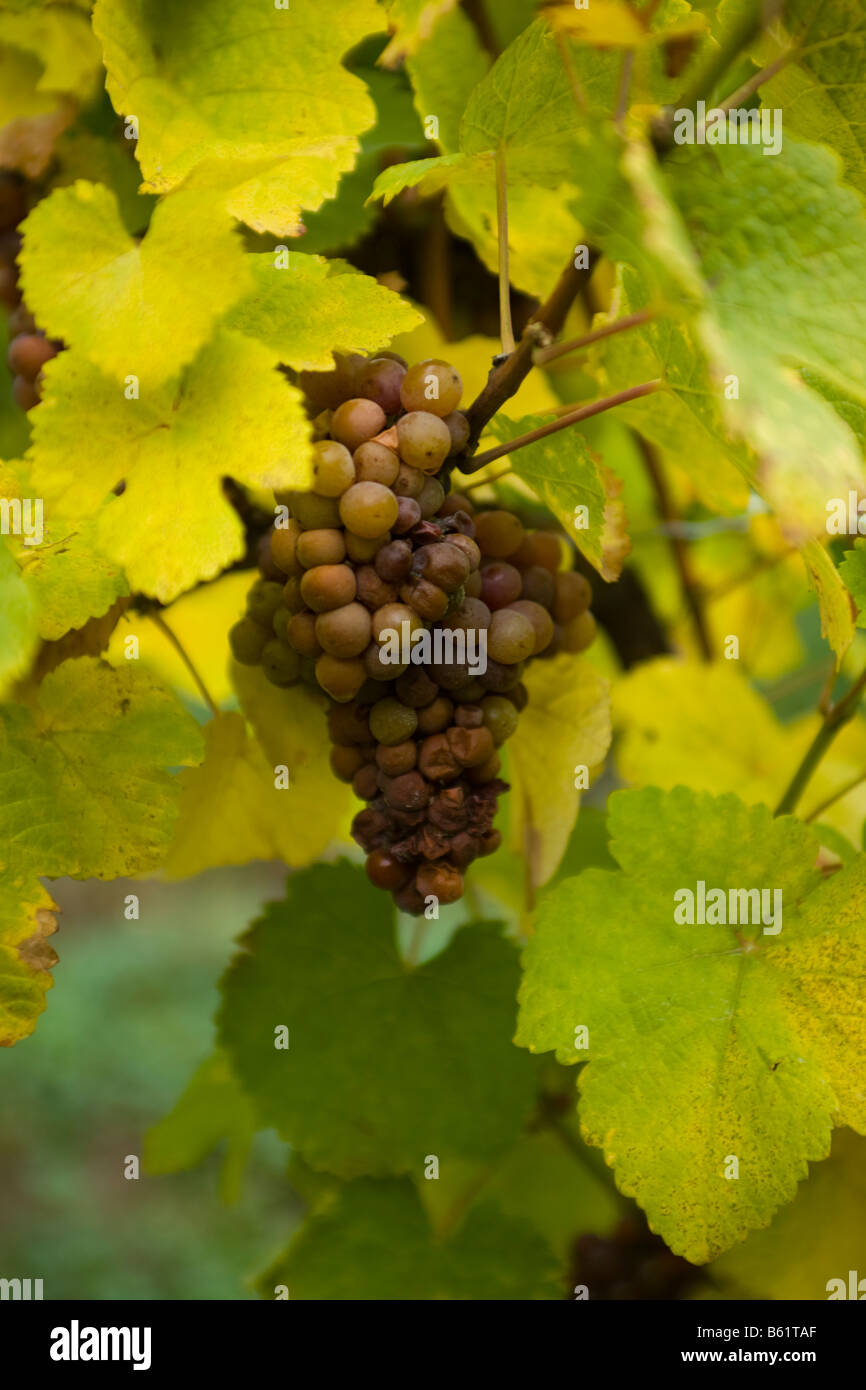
[[748, 89], [835, 717], [506, 328], [837, 796], [584, 413], [549, 354], [175, 641], [679, 549], [486, 482]]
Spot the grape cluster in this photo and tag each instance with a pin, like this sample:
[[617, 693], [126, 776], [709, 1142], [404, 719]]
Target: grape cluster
[[379, 551], [629, 1265], [29, 349]]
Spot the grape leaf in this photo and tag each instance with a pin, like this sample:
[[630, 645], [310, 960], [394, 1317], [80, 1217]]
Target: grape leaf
[[30, 120], [616, 24], [304, 310], [444, 69], [232, 413], [705, 726], [212, 1109], [101, 159], [70, 580], [373, 1241], [565, 475], [60, 39], [231, 811], [19, 620], [26, 919], [852, 572], [411, 22], [784, 294], [144, 309], [290, 728], [817, 1238], [837, 607], [566, 724], [705, 1042], [265, 113], [84, 786], [385, 1063]]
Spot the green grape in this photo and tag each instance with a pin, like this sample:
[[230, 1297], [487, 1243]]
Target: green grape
[[430, 499], [280, 623], [263, 600], [498, 533], [280, 664], [356, 421], [324, 547], [510, 637], [409, 481], [573, 596], [315, 513], [368, 510], [499, 716], [424, 440], [247, 641], [432, 386], [339, 677], [579, 632], [539, 585], [328, 586], [362, 549], [542, 623], [344, 631], [376, 463], [333, 468], [392, 722]]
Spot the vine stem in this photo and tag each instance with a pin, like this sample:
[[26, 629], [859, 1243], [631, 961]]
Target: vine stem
[[835, 717], [549, 354], [679, 548], [584, 413], [749, 88], [506, 328], [185, 657], [837, 796]]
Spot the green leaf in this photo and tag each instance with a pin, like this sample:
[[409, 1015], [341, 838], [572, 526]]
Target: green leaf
[[852, 572], [305, 309], [19, 620], [58, 817], [444, 69], [60, 39], [68, 577], [565, 475], [131, 309], [212, 1109], [232, 412], [231, 811], [373, 1241], [102, 159], [26, 919], [705, 1042], [411, 22], [264, 113], [785, 293], [837, 607], [385, 1063]]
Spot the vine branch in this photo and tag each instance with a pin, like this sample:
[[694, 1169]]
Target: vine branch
[[159, 621], [549, 354], [506, 329], [835, 717]]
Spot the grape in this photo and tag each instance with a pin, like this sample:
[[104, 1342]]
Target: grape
[[500, 677], [472, 691], [356, 421], [372, 591], [430, 498], [408, 515], [539, 586], [473, 585], [323, 547], [328, 586], [499, 716], [301, 634], [13, 200], [397, 758], [20, 321], [409, 481], [436, 760], [325, 390], [394, 561], [333, 468], [345, 761], [435, 716], [28, 354], [312, 512], [471, 615], [579, 633], [471, 747], [500, 584], [391, 617], [424, 440], [392, 722], [431, 386], [573, 595], [519, 696], [267, 568], [442, 564], [440, 880], [469, 717], [408, 899], [284, 541], [362, 550], [263, 600], [340, 678], [416, 688], [510, 637], [379, 666], [486, 772], [348, 724], [456, 502], [248, 641], [380, 381], [458, 428], [469, 548], [384, 871], [280, 623], [374, 463], [408, 792], [368, 509], [292, 598], [542, 623], [542, 548], [280, 664], [365, 783], [426, 598], [10, 295], [26, 393], [344, 631], [498, 533]]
